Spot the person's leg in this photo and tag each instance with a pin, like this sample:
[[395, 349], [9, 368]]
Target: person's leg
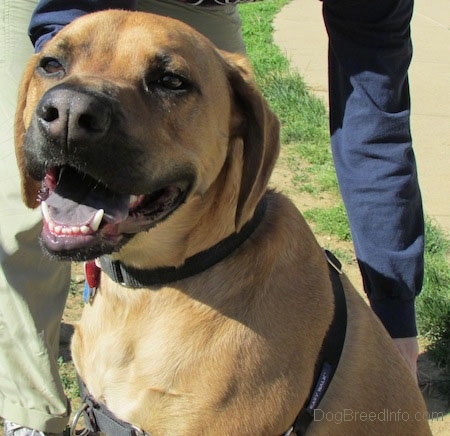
[[33, 289], [221, 24], [369, 55]]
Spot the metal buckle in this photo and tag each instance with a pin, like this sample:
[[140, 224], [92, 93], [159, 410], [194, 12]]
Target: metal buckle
[[138, 431], [289, 432], [82, 409]]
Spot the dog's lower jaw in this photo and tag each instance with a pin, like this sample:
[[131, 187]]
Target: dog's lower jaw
[[96, 248], [83, 218]]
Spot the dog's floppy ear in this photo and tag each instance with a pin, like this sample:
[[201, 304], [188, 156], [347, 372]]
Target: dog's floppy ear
[[260, 131], [30, 187]]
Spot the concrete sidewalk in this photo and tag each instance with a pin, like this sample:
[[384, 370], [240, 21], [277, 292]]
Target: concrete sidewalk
[[300, 33]]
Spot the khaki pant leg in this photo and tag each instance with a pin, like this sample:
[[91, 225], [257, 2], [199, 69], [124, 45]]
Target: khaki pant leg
[[221, 24], [33, 289]]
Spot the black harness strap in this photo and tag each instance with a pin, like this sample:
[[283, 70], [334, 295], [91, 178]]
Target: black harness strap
[[98, 418], [330, 353]]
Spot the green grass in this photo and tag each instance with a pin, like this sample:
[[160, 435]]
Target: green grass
[[68, 378], [303, 117], [330, 221], [305, 141], [433, 305]]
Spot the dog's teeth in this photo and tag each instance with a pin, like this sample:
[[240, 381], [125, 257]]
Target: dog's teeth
[[134, 201], [58, 229], [46, 212], [95, 223]]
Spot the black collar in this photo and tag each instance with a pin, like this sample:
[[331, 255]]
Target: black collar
[[139, 278]]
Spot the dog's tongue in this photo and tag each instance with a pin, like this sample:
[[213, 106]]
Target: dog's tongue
[[77, 198]]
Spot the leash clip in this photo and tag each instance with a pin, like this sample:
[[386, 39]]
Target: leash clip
[[88, 293]]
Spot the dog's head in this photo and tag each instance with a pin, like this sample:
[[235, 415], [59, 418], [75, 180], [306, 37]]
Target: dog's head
[[124, 118]]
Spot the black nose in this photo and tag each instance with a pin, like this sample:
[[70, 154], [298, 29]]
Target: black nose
[[70, 116]]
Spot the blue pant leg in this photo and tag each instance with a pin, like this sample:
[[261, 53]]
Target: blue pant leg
[[369, 54]]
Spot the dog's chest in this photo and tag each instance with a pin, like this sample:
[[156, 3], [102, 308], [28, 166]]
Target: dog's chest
[[161, 351], [161, 361]]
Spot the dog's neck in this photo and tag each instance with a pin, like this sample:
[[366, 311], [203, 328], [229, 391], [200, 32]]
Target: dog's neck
[[181, 236], [139, 278], [207, 219]]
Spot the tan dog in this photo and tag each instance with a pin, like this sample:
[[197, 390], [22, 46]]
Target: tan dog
[[153, 146]]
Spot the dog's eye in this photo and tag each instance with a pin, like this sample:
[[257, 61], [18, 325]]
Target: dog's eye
[[172, 81], [166, 82], [51, 66]]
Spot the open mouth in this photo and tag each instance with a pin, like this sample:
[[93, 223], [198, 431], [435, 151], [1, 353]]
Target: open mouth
[[84, 219]]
